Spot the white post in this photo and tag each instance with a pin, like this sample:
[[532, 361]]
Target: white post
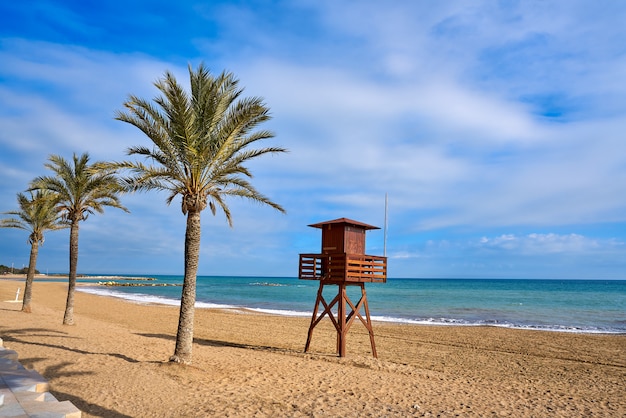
[[17, 295], [385, 230]]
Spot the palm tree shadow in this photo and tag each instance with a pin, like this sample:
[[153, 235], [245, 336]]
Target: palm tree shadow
[[34, 332], [218, 343], [54, 371], [59, 370], [88, 407], [74, 350]]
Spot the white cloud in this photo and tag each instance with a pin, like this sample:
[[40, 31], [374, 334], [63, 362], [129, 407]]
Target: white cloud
[[540, 244]]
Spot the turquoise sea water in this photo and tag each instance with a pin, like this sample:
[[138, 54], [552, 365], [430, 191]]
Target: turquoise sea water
[[585, 306]]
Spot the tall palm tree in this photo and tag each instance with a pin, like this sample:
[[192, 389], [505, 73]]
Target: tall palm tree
[[80, 189], [202, 139], [37, 214]]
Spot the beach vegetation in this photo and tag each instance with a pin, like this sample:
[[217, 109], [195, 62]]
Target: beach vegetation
[[80, 189], [37, 214], [202, 137], [12, 270]]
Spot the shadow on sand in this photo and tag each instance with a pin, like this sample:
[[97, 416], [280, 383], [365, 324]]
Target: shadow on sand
[[218, 343], [10, 338], [60, 370], [90, 408]]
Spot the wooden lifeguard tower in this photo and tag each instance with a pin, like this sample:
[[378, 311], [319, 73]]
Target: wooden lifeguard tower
[[342, 263]]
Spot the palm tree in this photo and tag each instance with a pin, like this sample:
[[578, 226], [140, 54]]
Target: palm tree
[[37, 214], [201, 142], [80, 190]]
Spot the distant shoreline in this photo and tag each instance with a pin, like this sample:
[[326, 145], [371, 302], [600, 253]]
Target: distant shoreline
[[37, 276], [80, 276]]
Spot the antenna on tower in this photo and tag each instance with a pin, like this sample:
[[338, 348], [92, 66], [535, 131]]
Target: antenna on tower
[[385, 230]]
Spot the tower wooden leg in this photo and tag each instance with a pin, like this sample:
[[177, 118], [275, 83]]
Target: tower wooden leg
[[342, 322], [369, 321], [318, 300], [341, 313]]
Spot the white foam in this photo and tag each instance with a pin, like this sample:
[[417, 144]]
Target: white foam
[[280, 312], [119, 277], [148, 299]]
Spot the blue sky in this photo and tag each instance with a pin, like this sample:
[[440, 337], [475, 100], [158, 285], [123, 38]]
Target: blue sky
[[497, 129]]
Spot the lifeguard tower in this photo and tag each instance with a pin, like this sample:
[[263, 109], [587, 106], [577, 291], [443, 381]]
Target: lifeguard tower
[[342, 263]]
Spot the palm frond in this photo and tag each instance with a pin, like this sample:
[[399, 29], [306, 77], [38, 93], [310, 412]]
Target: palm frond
[[202, 137], [37, 213], [79, 187]]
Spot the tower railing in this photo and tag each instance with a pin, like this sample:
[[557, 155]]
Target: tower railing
[[342, 267]]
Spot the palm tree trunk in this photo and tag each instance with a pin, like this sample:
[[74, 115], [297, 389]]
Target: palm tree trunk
[[28, 287], [68, 318], [184, 336]]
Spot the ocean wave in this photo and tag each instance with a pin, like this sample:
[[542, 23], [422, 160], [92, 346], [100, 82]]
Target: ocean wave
[[270, 284], [147, 299], [280, 312], [492, 323], [108, 277]]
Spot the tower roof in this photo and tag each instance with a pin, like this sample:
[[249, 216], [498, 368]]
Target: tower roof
[[344, 221]]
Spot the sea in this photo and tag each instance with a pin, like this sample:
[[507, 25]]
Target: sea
[[578, 306]]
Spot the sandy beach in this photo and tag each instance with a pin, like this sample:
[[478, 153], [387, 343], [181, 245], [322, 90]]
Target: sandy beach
[[113, 363]]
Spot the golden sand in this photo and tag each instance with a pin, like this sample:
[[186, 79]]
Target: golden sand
[[113, 363]]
